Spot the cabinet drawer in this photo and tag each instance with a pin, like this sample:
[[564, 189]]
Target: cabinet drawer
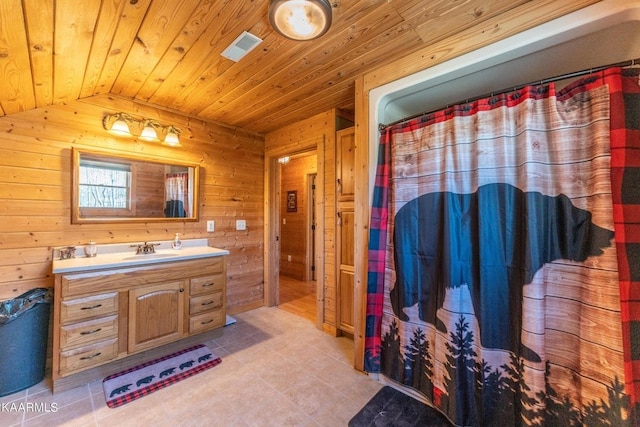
[[91, 331], [88, 356], [87, 307], [205, 302], [201, 285], [206, 321]]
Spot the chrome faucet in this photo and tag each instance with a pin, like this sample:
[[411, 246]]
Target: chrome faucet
[[146, 248]]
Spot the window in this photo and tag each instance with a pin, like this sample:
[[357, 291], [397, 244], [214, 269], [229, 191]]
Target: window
[[105, 186]]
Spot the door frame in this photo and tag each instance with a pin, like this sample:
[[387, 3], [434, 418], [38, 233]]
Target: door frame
[[310, 223], [272, 228]]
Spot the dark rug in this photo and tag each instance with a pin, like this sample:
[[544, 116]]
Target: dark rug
[[141, 380], [390, 407]]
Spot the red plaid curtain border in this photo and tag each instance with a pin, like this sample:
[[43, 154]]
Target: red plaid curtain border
[[377, 254], [624, 90]]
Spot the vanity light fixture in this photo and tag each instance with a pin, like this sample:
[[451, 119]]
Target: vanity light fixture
[[300, 19], [123, 124]]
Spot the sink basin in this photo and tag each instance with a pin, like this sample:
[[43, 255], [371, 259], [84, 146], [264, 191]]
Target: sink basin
[[148, 256]]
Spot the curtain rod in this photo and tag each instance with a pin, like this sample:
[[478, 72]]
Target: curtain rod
[[628, 63]]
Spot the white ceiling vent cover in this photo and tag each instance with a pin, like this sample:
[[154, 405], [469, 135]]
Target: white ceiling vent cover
[[241, 46]]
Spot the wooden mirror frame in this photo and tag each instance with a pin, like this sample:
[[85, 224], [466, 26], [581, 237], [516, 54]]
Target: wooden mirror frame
[[76, 212]]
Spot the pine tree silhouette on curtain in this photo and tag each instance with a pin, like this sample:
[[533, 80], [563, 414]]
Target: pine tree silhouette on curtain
[[418, 364], [393, 365]]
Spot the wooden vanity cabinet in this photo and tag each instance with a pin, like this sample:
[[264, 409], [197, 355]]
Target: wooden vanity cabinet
[[102, 316]]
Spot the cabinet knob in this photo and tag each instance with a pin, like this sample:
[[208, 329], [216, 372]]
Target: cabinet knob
[[181, 289]]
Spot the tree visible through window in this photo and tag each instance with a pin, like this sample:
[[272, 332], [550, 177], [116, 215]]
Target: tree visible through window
[[104, 185]]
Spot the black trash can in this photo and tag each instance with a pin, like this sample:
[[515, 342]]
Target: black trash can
[[24, 332]]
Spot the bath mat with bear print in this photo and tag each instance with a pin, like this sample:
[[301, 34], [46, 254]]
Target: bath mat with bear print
[[134, 383]]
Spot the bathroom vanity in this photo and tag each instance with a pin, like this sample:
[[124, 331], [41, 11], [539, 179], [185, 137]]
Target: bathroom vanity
[[119, 303]]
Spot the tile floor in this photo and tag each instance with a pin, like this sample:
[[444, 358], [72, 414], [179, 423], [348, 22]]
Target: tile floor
[[277, 370]]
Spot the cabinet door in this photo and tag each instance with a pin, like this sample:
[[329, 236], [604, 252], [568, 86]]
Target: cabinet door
[[156, 315], [345, 310], [345, 163]]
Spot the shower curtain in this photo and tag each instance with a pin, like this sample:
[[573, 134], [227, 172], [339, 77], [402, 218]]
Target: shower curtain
[[495, 287], [176, 189]]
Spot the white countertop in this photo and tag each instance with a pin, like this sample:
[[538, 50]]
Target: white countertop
[[123, 255]]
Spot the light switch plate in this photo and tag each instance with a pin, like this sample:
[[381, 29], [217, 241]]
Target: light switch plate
[[211, 226], [241, 224]]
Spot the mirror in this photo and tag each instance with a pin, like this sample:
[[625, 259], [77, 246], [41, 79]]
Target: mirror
[[114, 188]]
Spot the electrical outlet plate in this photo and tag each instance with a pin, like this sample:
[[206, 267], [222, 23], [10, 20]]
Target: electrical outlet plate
[[211, 226], [241, 224]]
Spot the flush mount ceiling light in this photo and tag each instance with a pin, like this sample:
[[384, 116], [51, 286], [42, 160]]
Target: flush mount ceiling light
[[300, 19]]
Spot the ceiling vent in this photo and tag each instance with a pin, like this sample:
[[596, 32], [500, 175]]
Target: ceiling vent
[[241, 46]]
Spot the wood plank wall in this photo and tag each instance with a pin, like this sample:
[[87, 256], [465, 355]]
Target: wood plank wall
[[35, 191], [293, 227]]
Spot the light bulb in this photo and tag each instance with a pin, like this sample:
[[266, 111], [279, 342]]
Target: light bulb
[[120, 127], [149, 133], [300, 19], [171, 138]]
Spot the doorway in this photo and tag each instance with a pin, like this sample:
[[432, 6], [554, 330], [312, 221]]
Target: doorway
[[297, 287], [273, 226]]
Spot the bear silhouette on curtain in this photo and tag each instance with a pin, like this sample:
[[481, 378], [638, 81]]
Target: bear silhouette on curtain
[[493, 240]]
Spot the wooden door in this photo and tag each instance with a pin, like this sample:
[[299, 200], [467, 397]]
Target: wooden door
[[156, 315], [345, 227], [346, 271]]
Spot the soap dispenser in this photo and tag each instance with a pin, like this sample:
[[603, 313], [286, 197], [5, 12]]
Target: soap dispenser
[[176, 244]]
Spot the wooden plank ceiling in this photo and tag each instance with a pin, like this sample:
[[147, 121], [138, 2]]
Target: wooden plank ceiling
[[167, 53]]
